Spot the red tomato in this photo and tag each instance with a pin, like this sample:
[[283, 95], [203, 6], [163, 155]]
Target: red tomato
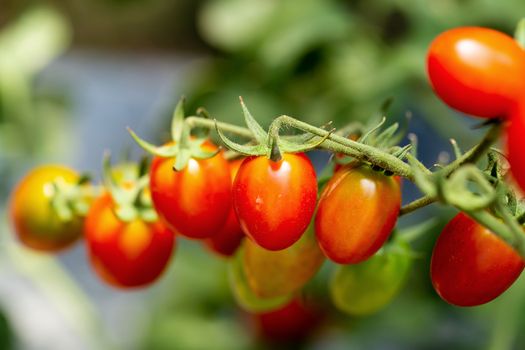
[[275, 201], [356, 213], [516, 144], [195, 201], [291, 323], [478, 71], [126, 254], [34, 220], [227, 240], [471, 265]]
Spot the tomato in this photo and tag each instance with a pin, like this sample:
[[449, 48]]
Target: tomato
[[195, 201], [126, 254], [356, 213], [478, 71], [277, 273], [242, 292], [292, 323], [516, 144], [34, 220], [470, 265], [275, 201], [227, 240], [367, 287]]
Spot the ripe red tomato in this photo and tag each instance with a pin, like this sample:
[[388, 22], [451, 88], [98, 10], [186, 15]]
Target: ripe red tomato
[[126, 254], [516, 144], [34, 220], [227, 240], [275, 201], [470, 265], [195, 201], [291, 323], [356, 213], [478, 71]]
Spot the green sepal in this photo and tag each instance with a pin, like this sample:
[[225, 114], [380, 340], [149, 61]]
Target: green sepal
[[166, 151], [249, 150], [258, 132], [519, 34], [177, 121]]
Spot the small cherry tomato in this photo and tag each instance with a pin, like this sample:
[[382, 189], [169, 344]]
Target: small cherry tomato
[[275, 201], [470, 265], [356, 213], [227, 240], [126, 254], [293, 323], [478, 71], [35, 222], [195, 201], [516, 144], [272, 274], [367, 287]]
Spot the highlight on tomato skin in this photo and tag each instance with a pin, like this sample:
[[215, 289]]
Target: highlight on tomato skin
[[226, 241], [35, 223], [470, 265], [357, 211], [275, 201], [126, 254], [195, 201], [477, 71]]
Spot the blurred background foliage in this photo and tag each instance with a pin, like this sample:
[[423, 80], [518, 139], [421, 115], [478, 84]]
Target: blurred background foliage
[[317, 60]]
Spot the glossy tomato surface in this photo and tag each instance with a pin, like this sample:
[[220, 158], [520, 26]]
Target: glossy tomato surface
[[226, 241], [35, 222], [126, 254], [516, 144], [356, 213], [275, 201], [470, 265], [478, 71], [195, 201]]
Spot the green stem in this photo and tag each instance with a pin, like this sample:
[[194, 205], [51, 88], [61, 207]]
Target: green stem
[[194, 122], [471, 156], [339, 144]]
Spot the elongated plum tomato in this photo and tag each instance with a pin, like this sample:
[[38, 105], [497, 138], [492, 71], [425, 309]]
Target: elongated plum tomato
[[356, 213], [227, 240], [195, 201], [478, 71], [470, 265], [275, 201], [126, 254], [516, 144], [34, 220]]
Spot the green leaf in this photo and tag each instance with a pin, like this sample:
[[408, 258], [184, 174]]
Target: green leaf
[[519, 34]]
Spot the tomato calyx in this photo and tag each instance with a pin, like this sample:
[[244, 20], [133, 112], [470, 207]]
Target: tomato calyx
[[69, 200], [131, 196], [183, 146], [269, 143]]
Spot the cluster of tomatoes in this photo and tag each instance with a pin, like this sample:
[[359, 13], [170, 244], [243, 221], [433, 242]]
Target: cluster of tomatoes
[[130, 227], [480, 72]]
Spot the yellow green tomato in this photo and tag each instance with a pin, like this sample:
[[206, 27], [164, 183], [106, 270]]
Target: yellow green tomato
[[272, 274], [367, 287], [244, 295]]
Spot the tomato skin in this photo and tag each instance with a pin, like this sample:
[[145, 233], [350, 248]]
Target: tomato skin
[[227, 240], [126, 255], [292, 323], [516, 144], [470, 265], [356, 213], [478, 71], [35, 223], [275, 201], [195, 201]]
